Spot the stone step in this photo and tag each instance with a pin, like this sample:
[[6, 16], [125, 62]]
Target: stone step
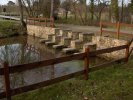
[[64, 32], [59, 46], [57, 31], [49, 36], [92, 46], [86, 37], [75, 35], [77, 44], [50, 43], [69, 50], [70, 34], [44, 40], [57, 39], [66, 41]]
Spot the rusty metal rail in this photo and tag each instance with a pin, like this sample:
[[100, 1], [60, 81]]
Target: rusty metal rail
[[48, 22], [117, 27]]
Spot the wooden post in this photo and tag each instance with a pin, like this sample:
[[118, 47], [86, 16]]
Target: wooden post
[[39, 21], [34, 35], [7, 80], [52, 22], [118, 30], [34, 21], [46, 21], [26, 20], [86, 62], [127, 52], [101, 31]]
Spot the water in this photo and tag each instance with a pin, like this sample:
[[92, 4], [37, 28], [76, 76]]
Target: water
[[26, 49]]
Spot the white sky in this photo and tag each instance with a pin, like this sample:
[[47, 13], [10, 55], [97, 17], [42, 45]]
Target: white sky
[[3, 2]]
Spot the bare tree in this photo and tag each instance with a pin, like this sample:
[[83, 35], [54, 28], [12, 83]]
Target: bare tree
[[21, 13], [23, 24], [99, 8], [52, 9], [115, 10], [67, 6], [122, 10]]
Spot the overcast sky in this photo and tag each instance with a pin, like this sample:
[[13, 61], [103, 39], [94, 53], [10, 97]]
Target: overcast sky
[[3, 2]]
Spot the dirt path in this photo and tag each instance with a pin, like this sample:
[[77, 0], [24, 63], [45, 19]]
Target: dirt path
[[79, 28], [89, 28]]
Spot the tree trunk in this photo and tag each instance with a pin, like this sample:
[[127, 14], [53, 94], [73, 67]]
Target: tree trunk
[[23, 24], [66, 14], [122, 10], [85, 4], [115, 10], [92, 10], [52, 9]]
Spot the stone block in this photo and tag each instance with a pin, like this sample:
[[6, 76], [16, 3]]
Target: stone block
[[49, 36], [57, 31], [64, 32], [92, 46], [66, 41], [75, 35], [70, 34], [77, 44], [86, 37], [57, 38]]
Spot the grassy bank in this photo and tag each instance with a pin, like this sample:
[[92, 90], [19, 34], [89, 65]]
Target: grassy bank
[[9, 28], [114, 83]]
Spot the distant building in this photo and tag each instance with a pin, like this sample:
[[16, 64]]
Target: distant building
[[62, 12], [11, 3]]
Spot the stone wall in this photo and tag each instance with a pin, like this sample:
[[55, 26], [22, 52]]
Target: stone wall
[[40, 31], [107, 42]]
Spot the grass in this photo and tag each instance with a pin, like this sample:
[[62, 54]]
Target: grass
[[114, 83], [9, 28]]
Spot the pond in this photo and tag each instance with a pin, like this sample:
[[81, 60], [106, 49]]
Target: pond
[[26, 49]]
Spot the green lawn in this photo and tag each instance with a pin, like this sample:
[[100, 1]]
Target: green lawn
[[114, 83], [9, 28]]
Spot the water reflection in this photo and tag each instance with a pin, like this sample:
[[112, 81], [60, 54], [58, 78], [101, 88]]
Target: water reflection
[[25, 49]]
